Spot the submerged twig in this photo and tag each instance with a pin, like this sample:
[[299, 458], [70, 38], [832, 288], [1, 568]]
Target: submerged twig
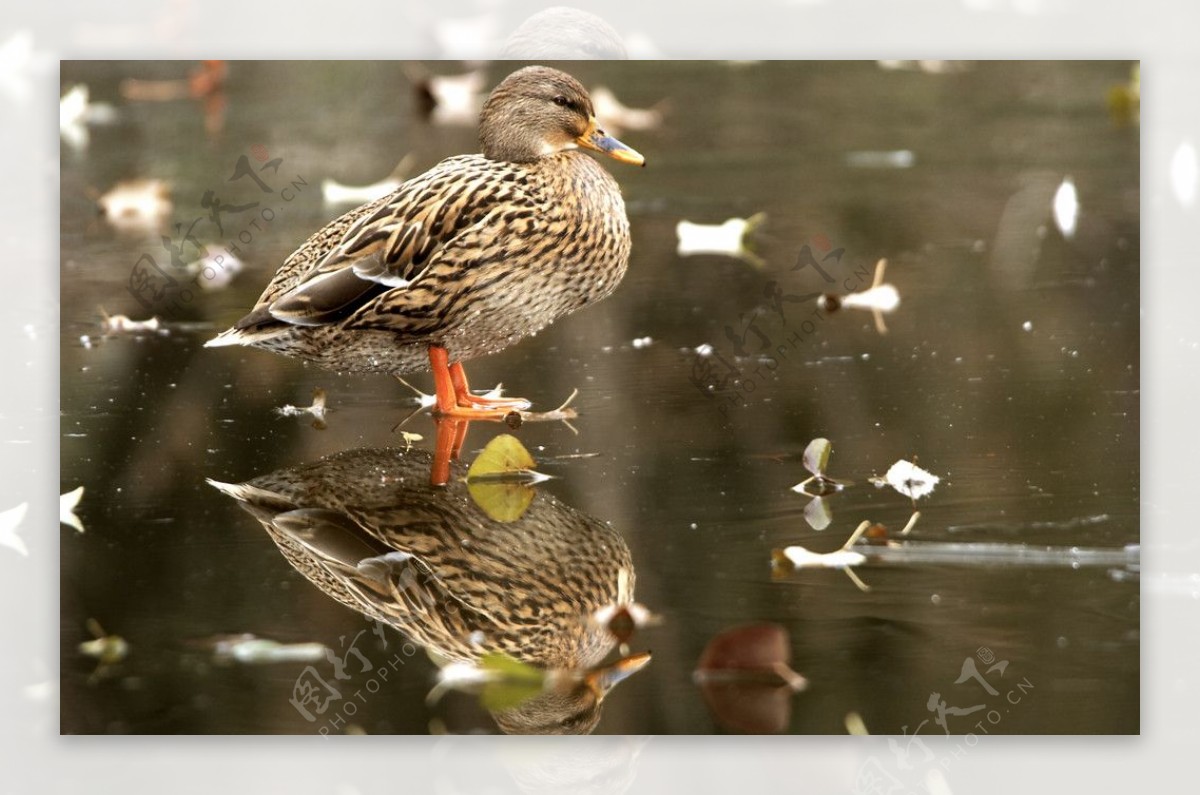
[[123, 324], [853, 554], [561, 414]]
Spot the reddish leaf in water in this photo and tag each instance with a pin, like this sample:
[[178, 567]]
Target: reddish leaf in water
[[751, 647], [746, 680]]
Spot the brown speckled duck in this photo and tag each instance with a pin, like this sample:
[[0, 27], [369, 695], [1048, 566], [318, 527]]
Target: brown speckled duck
[[367, 528], [464, 260]]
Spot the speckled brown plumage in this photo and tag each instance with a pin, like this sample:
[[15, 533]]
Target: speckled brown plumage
[[457, 582], [471, 256]]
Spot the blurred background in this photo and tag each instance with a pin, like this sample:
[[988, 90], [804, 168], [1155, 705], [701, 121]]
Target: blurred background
[[1005, 197]]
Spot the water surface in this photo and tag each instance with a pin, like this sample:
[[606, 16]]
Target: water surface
[[1010, 370]]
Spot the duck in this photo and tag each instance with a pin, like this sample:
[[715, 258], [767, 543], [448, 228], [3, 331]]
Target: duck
[[369, 531], [464, 260]]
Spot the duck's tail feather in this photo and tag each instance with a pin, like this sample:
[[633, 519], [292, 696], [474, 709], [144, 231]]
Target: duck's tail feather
[[228, 337], [264, 505], [244, 336]]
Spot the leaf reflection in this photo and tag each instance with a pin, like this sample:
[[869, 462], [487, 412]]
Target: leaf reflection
[[502, 478]]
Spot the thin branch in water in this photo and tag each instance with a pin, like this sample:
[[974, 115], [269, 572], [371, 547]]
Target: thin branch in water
[[854, 578], [857, 534]]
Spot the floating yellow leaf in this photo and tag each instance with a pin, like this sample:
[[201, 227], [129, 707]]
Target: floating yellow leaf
[[816, 456], [504, 455], [501, 478]]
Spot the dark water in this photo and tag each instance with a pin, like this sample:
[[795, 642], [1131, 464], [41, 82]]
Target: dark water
[[1010, 370]]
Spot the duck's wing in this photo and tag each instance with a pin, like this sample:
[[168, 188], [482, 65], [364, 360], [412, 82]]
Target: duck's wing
[[392, 243], [389, 579], [384, 576]]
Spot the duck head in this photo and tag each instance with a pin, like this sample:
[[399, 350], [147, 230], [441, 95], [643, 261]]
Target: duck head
[[538, 111]]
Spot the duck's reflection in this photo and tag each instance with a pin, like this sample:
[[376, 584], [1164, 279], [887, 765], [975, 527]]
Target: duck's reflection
[[367, 528]]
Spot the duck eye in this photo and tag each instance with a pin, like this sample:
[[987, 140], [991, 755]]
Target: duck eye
[[562, 101]]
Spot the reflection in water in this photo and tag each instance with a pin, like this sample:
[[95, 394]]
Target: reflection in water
[[746, 676], [367, 528]]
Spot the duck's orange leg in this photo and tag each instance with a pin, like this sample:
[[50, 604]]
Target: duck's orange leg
[[451, 433], [454, 398], [462, 393]]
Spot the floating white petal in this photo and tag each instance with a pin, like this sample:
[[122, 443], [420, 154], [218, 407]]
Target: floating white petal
[[897, 158], [253, 650], [728, 238], [216, 269], [72, 115], [337, 193], [617, 117], [803, 558], [1066, 208], [66, 508], [884, 298], [122, 324], [457, 98], [137, 204]]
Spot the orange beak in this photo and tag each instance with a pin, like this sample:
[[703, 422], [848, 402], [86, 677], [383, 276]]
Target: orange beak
[[597, 140], [602, 680]]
